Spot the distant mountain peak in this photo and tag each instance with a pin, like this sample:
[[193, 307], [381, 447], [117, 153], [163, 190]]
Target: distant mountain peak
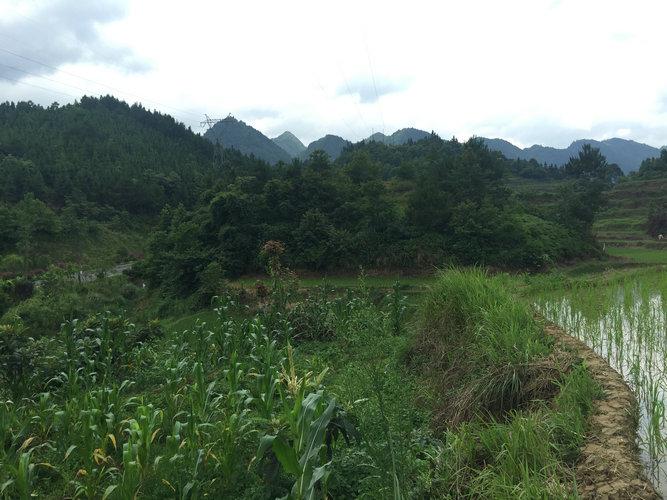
[[287, 135], [332, 145], [233, 133], [290, 143], [377, 137]]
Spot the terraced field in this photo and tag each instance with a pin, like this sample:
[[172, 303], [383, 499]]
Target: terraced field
[[621, 225], [623, 221]]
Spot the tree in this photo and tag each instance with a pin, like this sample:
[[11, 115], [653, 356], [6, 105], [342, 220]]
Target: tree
[[582, 197], [591, 165], [317, 243], [9, 229], [319, 160]]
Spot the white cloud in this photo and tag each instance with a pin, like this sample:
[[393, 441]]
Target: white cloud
[[527, 70]]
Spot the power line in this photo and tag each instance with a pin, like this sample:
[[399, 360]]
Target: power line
[[349, 91], [43, 77], [319, 85], [53, 68], [208, 121], [377, 97], [21, 82]]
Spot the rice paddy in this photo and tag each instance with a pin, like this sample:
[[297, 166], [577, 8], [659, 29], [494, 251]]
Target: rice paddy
[[625, 321]]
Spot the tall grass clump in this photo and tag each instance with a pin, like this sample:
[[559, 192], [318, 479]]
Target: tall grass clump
[[480, 346], [513, 410]]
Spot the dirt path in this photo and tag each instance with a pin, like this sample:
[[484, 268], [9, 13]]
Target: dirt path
[[609, 466]]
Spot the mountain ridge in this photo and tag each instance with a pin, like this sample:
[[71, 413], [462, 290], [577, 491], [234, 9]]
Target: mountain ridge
[[401, 136], [626, 153], [332, 145]]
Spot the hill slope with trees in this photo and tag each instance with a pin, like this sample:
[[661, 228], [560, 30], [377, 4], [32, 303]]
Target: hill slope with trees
[[456, 207], [102, 151], [236, 134], [290, 144]]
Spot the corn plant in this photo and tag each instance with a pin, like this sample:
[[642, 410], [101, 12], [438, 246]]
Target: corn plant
[[299, 446], [265, 359], [140, 434], [24, 474], [199, 338], [234, 430], [176, 461]]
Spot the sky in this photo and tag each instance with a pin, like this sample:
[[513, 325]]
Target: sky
[[532, 72]]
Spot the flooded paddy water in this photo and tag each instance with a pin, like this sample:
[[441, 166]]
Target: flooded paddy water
[[626, 323]]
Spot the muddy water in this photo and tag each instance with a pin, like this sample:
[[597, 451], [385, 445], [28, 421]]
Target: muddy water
[[627, 327]]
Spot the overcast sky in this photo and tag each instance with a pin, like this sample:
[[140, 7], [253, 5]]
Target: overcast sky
[[530, 71]]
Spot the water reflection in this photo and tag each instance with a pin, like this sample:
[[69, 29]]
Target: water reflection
[[627, 326]]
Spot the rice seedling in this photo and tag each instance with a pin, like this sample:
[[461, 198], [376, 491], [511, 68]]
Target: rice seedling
[[625, 321]]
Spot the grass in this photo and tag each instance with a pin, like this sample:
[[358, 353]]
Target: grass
[[639, 255], [484, 353], [349, 281], [102, 249], [188, 322]]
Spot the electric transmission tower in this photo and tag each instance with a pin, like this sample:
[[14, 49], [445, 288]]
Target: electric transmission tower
[[209, 122]]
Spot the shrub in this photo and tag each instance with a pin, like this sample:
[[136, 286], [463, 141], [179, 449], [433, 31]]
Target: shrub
[[313, 319], [129, 291], [12, 263]]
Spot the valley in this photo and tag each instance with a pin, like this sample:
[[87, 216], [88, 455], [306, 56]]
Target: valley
[[361, 325]]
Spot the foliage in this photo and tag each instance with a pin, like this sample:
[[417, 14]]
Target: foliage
[[652, 168], [477, 345], [344, 215], [582, 197]]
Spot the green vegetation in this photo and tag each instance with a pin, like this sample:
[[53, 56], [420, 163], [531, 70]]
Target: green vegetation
[[640, 255], [100, 171], [485, 355], [326, 393], [374, 208], [209, 369]]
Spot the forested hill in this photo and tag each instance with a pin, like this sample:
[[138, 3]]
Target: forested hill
[[332, 145], [290, 144], [399, 137], [236, 134], [101, 150], [74, 171]]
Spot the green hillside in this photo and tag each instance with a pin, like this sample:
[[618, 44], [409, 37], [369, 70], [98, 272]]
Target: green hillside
[[621, 226], [623, 219], [623, 222], [236, 134], [84, 183]]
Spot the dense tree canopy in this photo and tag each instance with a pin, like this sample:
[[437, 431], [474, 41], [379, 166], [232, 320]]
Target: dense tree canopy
[[654, 167], [456, 207], [102, 151]]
